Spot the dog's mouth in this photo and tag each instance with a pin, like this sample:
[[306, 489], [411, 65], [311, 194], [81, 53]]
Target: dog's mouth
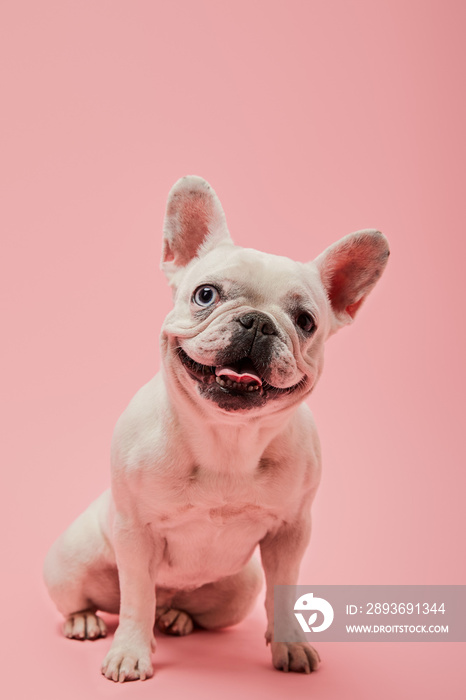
[[241, 377]]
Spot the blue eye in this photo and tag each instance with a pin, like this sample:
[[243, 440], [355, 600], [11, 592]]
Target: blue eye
[[205, 295]]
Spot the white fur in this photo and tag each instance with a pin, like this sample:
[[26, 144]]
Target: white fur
[[196, 486]]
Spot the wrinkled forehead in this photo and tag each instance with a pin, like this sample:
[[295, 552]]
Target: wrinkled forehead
[[261, 277]]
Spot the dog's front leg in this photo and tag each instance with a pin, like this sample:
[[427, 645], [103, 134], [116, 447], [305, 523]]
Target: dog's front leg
[[137, 554], [281, 553]]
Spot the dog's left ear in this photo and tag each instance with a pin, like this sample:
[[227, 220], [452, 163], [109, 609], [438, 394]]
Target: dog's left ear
[[194, 224], [349, 270]]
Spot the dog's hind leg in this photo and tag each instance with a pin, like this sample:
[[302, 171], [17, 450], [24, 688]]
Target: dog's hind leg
[[215, 605], [81, 574]]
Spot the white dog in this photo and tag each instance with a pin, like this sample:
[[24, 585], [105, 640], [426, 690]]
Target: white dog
[[218, 453]]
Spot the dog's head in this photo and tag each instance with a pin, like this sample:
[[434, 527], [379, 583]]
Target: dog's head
[[247, 330]]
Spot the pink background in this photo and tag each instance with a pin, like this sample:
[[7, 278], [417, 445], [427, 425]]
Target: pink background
[[311, 120]]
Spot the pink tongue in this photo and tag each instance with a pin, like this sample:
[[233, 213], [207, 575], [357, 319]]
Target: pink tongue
[[244, 378]]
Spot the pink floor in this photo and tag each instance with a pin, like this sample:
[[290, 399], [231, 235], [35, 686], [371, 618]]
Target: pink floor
[[230, 664]]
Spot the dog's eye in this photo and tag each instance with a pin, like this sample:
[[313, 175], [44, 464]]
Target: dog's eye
[[305, 322], [205, 295]]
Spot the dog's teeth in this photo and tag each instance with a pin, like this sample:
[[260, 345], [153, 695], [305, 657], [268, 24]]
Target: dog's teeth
[[238, 386]]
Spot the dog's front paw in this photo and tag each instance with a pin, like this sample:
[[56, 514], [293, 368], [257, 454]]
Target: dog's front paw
[[297, 656], [127, 663]]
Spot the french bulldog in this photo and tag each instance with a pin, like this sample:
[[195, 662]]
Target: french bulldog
[[218, 454]]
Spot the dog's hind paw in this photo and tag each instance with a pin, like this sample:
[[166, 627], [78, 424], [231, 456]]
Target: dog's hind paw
[[175, 622], [84, 625]]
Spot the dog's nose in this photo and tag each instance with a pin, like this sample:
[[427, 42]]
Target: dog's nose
[[260, 322]]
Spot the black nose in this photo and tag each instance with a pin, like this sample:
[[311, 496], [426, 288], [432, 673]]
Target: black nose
[[260, 322]]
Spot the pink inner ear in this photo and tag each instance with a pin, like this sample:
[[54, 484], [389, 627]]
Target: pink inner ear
[[351, 309], [191, 213], [351, 267], [194, 223], [344, 288]]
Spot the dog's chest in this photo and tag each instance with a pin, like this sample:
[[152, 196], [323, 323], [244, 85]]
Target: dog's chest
[[222, 499], [211, 524]]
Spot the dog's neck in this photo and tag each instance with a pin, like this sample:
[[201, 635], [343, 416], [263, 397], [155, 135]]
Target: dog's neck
[[232, 448], [223, 442]]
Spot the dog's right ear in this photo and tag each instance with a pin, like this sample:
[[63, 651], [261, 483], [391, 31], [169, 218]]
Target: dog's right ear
[[194, 224]]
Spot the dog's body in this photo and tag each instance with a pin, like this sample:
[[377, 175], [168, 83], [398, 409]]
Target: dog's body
[[217, 454]]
